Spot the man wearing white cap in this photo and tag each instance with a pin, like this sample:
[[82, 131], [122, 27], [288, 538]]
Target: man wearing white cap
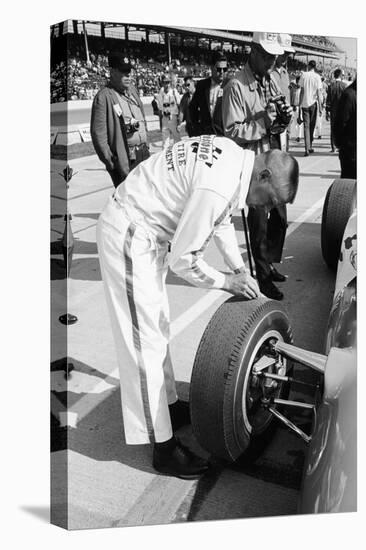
[[280, 73], [165, 214], [250, 118]]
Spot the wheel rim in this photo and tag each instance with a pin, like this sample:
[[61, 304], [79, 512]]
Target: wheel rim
[[256, 417]]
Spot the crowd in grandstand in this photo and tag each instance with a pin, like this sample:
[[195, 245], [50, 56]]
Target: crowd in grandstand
[[321, 40], [80, 79]]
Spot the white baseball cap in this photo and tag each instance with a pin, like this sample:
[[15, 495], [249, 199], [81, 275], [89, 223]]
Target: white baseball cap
[[269, 42], [285, 41]]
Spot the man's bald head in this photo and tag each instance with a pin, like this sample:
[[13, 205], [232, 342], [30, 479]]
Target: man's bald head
[[274, 180]]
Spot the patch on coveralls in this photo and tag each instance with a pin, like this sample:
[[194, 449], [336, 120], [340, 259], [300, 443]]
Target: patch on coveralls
[[206, 151]]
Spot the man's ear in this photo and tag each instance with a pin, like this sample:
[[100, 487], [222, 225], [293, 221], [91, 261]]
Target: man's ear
[[265, 175]]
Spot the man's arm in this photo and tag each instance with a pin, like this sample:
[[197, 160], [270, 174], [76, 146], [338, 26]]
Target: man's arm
[[226, 242], [99, 132], [344, 112], [239, 124], [191, 238], [328, 101], [320, 97]]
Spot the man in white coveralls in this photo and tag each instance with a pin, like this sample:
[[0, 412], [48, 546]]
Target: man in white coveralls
[[164, 214]]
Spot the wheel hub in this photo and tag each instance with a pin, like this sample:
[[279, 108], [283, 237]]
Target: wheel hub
[[259, 390]]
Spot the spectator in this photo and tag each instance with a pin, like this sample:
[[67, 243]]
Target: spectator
[[310, 103], [205, 107], [280, 73], [248, 117], [334, 93], [184, 112], [345, 131], [168, 101], [319, 120], [295, 90], [156, 110], [118, 125]]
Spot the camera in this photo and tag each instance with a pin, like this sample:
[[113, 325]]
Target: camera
[[132, 126], [166, 110], [282, 119]]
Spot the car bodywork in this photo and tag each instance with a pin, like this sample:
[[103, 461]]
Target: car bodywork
[[330, 473]]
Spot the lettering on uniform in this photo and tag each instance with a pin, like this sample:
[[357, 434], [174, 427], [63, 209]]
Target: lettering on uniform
[[169, 158], [181, 154], [206, 151]]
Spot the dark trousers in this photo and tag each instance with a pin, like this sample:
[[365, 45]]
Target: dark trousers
[[309, 115], [267, 236], [142, 153], [116, 177], [347, 159], [332, 131]]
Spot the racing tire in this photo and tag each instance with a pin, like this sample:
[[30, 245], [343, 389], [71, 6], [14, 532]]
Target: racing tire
[[339, 203], [224, 422]]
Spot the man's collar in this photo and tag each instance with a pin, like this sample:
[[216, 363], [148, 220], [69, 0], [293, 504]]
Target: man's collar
[[253, 81], [124, 91]]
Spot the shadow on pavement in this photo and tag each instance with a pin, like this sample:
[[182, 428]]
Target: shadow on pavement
[[99, 434], [40, 512]]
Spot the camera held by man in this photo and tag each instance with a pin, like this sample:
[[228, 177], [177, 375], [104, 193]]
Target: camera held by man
[[281, 111], [132, 126]]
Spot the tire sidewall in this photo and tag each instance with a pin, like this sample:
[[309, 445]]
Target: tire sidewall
[[274, 321]]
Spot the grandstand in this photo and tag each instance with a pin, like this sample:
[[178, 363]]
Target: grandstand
[[79, 52]]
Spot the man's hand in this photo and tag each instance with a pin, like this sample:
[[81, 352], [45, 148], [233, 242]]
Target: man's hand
[[270, 114], [286, 109], [242, 284]]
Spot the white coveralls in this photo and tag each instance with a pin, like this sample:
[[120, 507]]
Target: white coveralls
[[177, 199]]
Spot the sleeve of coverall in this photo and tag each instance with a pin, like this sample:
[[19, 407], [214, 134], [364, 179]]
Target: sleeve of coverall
[[194, 231], [239, 124], [98, 131], [226, 242]]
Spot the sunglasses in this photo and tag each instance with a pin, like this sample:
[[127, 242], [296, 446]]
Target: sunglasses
[[221, 69]]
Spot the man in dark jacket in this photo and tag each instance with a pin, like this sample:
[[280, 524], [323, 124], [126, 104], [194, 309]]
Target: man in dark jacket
[[345, 131], [334, 93], [205, 107], [118, 125], [184, 113]]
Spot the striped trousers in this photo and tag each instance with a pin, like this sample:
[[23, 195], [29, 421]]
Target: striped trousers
[[134, 270]]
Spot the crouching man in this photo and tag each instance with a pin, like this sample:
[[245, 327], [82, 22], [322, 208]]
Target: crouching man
[[164, 214]]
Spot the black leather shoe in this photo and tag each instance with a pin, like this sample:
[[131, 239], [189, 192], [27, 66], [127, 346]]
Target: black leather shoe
[[311, 150], [179, 462], [306, 154], [270, 290], [179, 414], [276, 275]]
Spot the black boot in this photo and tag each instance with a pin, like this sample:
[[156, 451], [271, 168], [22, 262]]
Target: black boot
[[174, 459], [179, 414], [270, 290], [276, 275]]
